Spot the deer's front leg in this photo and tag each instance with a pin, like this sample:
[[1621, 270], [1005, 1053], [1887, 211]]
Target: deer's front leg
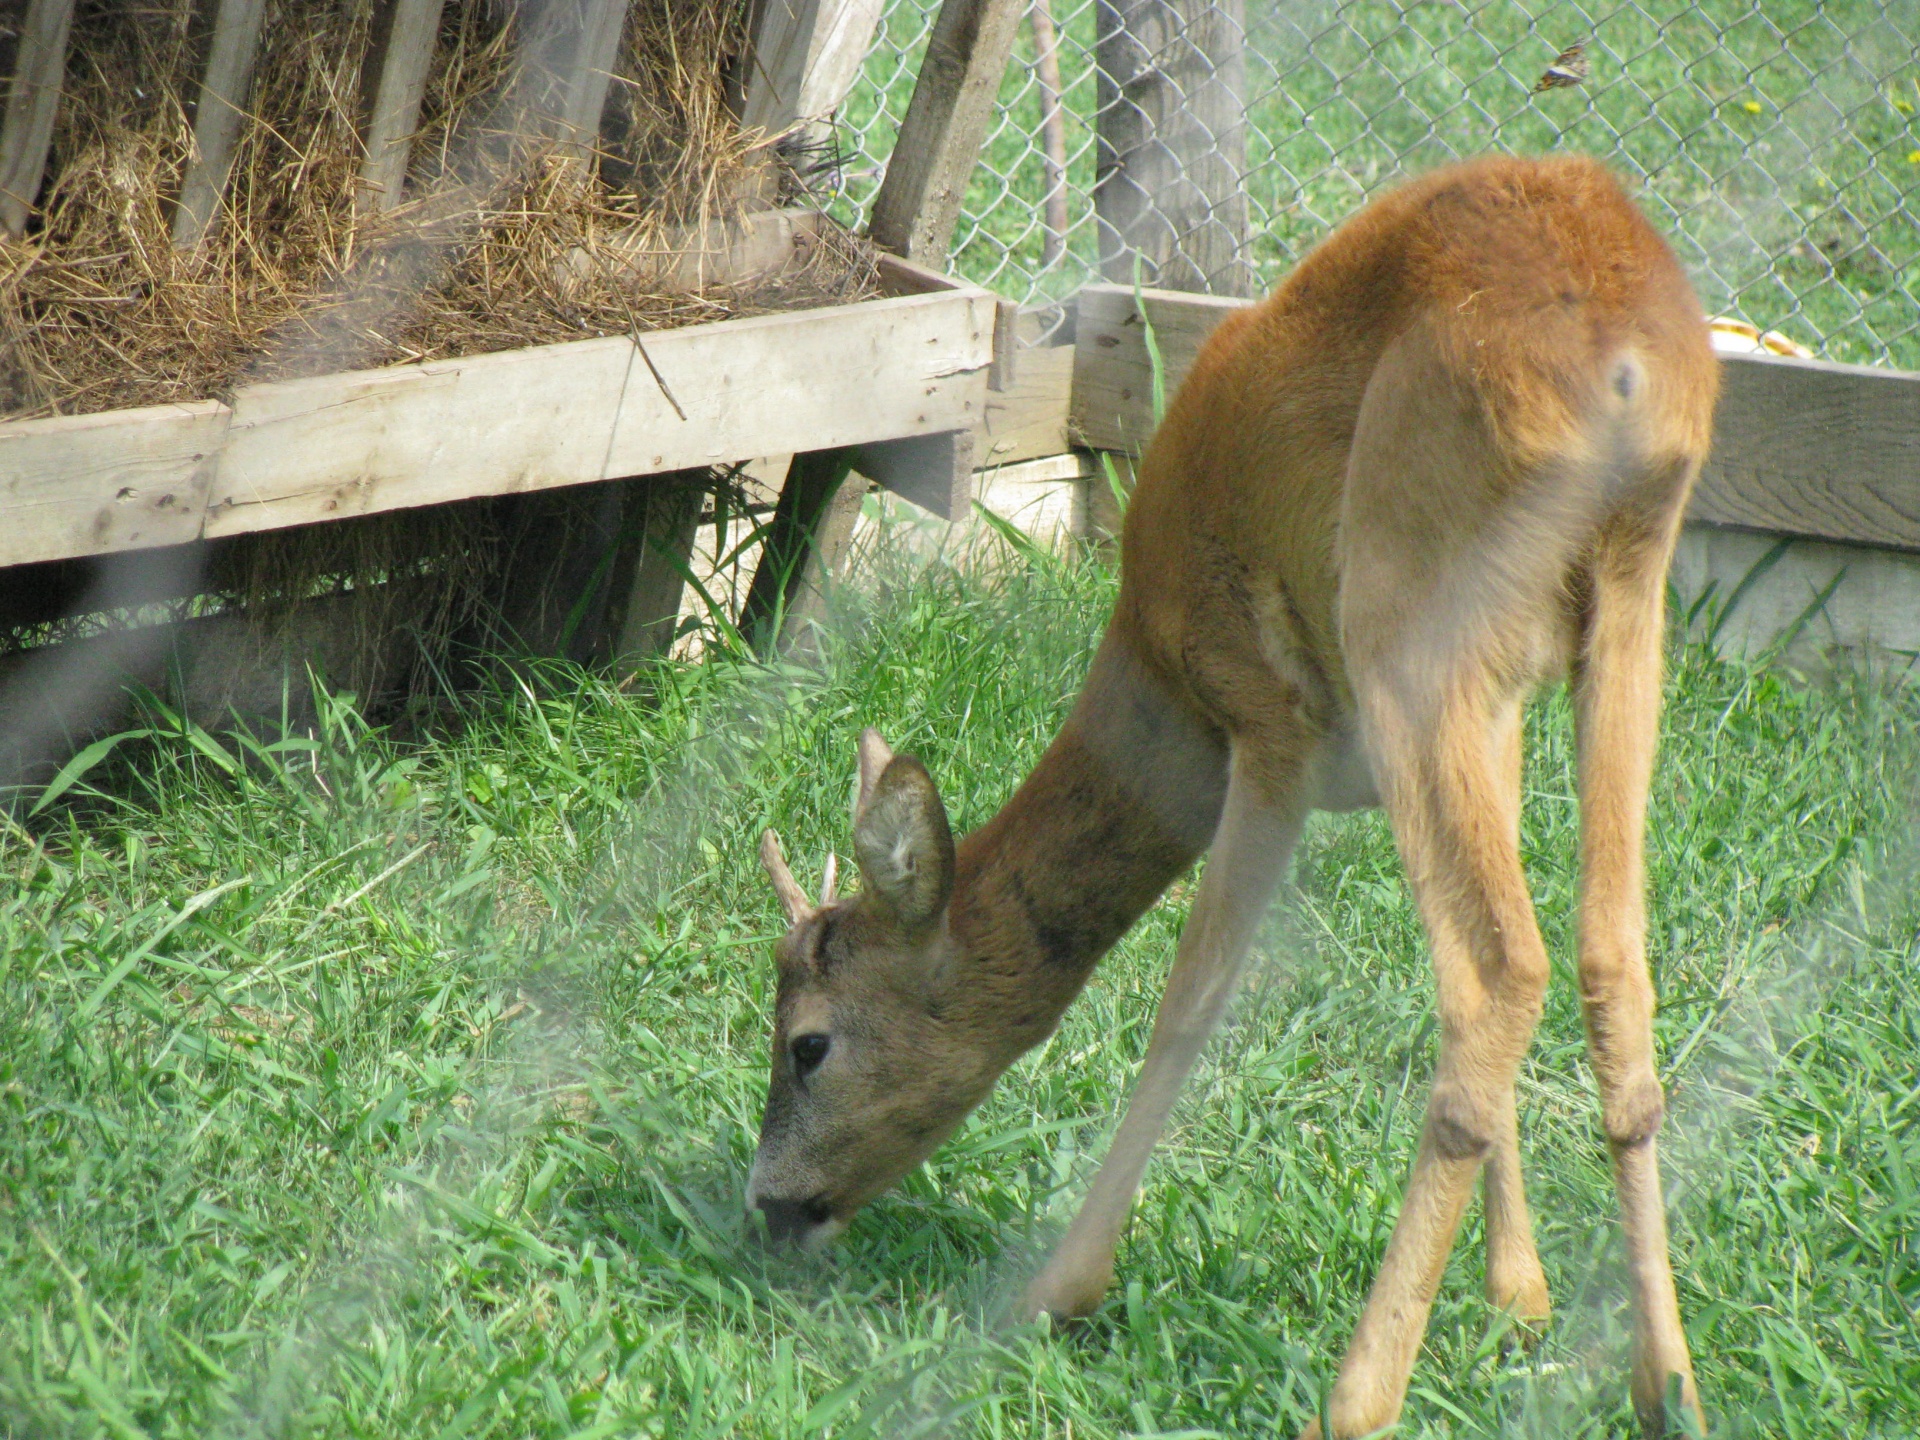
[[1258, 828]]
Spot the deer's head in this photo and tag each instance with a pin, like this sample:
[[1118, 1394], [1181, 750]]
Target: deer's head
[[872, 1066]]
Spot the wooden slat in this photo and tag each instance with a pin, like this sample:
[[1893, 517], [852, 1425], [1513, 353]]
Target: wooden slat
[[589, 71], [33, 99], [1808, 448], [693, 257], [935, 472], [809, 380], [945, 124], [669, 516], [393, 81], [1029, 418], [370, 440], [806, 56], [218, 117], [1113, 375], [1801, 447], [92, 484]]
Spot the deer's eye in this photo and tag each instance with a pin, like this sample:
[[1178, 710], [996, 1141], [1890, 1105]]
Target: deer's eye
[[808, 1051]]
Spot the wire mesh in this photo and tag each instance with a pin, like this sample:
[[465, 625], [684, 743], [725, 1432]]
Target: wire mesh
[[1775, 141]]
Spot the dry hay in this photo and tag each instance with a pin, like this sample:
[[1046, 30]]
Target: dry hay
[[99, 311]]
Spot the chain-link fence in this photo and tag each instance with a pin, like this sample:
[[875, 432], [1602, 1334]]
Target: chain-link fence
[[1775, 140]]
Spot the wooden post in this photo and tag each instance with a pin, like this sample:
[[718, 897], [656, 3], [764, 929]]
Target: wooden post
[[832, 542], [1053, 131], [663, 514], [813, 479], [218, 116], [806, 56], [393, 81], [1169, 189], [40, 65], [588, 73], [945, 125]]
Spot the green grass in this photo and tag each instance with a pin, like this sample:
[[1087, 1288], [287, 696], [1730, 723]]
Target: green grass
[[352, 1087], [1778, 144]]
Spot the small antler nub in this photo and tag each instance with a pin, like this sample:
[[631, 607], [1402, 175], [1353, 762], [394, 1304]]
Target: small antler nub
[[793, 899], [830, 880]]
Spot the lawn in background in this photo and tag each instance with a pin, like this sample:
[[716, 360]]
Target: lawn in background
[[352, 1087], [1778, 144]]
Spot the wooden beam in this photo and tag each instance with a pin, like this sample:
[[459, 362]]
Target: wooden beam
[[807, 611], [1170, 130], [291, 452], [1028, 420], [665, 516], [1805, 447], [1801, 447], [393, 82], [813, 479], [588, 72], [944, 127], [935, 472], [95, 484], [1113, 373], [553, 415], [33, 99], [807, 380], [218, 117], [806, 55]]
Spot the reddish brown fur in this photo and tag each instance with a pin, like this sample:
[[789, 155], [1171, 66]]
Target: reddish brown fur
[[1445, 462]]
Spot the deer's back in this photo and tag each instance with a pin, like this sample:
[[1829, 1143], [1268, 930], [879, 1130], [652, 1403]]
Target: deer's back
[[1531, 277]]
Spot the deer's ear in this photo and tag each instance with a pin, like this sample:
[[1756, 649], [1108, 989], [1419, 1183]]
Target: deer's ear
[[875, 755], [904, 844]]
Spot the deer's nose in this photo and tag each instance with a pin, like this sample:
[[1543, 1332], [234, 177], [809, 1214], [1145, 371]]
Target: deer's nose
[[792, 1219]]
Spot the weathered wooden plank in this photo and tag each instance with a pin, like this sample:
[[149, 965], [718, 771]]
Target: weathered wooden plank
[[1113, 374], [1170, 134], [92, 484], [942, 131], [370, 440], [720, 252], [33, 99], [393, 82], [218, 116], [809, 380], [588, 71], [353, 443], [1810, 598], [806, 56], [667, 519], [935, 472], [1028, 419], [814, 479], [1801, 447], [1804, 447]]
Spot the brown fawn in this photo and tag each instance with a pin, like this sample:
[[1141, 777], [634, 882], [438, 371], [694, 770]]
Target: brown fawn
[[1444, 464]]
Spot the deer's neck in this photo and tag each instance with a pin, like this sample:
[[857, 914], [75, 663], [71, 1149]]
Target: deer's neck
[[1124, 800]]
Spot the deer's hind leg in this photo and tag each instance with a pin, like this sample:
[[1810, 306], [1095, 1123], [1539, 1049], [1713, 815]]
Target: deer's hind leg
[[1451, 795], [1616, 690], [1452, 604]]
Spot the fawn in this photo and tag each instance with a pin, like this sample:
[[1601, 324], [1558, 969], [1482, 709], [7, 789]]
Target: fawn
[[1444, 464]]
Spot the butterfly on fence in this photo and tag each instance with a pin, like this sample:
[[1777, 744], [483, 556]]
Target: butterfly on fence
[[1569, 67]]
